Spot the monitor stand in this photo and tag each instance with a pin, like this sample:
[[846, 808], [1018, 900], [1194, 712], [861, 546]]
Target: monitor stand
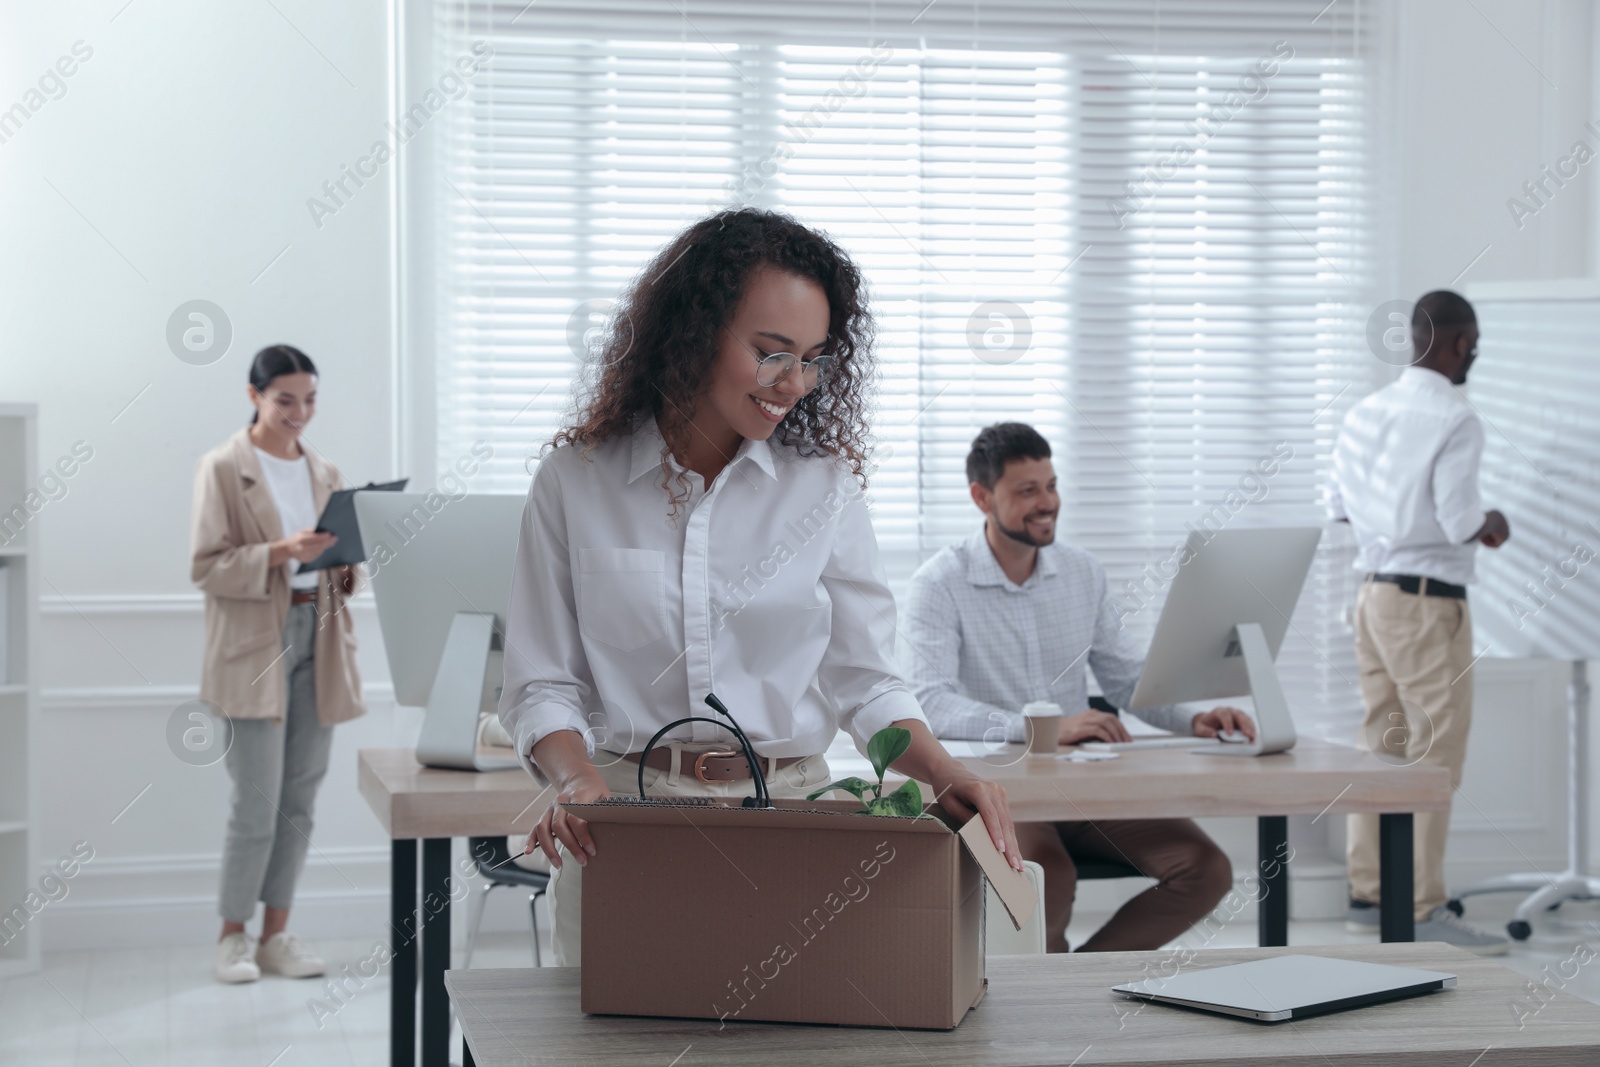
[[449, 735], [1274, 726]]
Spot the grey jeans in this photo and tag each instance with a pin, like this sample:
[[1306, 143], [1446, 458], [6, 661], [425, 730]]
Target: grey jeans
[[276, 767]]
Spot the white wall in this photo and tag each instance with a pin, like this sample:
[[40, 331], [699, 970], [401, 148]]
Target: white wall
[[181, 157], [177, 166], [1489, 92]]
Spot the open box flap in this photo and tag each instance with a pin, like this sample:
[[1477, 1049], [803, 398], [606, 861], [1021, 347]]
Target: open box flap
[[1011, 886]]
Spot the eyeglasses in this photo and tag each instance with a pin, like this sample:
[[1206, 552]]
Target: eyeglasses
[[775, 368]]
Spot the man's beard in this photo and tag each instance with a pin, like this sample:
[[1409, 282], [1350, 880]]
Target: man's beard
[[1022, 536]]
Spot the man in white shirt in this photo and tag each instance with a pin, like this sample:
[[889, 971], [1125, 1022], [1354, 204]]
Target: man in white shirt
[[1011, 616], [1405, 476]]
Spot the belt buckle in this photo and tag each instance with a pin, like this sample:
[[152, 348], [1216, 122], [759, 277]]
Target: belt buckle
[[700, 764]]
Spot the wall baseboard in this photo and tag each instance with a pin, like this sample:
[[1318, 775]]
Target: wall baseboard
[[151, 902], [151, 603], [150, 922], [157, 697]]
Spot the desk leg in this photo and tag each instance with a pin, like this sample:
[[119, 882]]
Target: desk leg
[[1272, 868], [403, 943], [435, 950], [1396, 905]]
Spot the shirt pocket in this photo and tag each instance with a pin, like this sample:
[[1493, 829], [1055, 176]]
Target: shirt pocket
[[622, 596]]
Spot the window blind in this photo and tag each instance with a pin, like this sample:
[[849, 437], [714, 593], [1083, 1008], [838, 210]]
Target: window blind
[[1142, 228]]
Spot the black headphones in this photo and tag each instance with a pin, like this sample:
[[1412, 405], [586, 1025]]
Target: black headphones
[[762, 798]]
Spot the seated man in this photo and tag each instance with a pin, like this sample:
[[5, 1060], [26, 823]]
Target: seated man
[[1008, 617]]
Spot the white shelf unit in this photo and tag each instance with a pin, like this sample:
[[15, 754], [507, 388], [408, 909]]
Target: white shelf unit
[[19, 686]]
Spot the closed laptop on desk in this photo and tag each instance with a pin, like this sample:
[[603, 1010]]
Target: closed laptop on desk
[[1288, 987]]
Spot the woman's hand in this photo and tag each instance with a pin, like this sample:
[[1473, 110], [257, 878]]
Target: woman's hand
[[557, 825], [957, 790], [304, 545], [961, 793], [565, 761]]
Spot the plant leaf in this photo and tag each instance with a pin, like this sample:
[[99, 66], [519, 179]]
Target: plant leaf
[[853, 785], [907, 800], [886, 746]]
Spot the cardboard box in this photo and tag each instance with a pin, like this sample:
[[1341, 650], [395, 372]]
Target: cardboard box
[[806, 913]]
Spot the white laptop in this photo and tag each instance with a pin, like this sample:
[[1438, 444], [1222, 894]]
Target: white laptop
[[1287, 987]]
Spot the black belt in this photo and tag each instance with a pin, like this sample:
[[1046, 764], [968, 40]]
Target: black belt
[[1413, 584]]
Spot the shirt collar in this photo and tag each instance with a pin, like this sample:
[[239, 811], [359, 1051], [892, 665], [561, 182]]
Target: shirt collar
[[984, 569], [244, 453], [648, 443], [1426, 378]]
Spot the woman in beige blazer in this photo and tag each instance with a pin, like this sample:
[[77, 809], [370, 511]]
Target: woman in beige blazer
[[280, 659]]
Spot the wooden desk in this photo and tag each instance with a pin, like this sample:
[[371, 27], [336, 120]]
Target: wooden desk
[[1042, 1011], [1313, 778], [414, 802]]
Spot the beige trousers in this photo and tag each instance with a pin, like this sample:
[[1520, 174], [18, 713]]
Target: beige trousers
[[1415, 655], [622, 778]]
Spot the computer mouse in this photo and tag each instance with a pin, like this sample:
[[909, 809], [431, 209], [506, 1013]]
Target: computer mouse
[[1233, 737]]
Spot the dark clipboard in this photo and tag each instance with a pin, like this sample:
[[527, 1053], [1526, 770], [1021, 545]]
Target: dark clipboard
[[339, 519]]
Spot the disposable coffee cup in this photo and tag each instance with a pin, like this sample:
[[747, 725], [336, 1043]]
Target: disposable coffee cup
[[1043, 721]]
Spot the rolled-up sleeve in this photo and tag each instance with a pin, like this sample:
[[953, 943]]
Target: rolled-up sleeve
[[1333, 497], [857, 674], [933, 631], [547, 681], [1457, 506]]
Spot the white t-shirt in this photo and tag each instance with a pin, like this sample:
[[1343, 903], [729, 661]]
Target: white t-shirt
[[289, 481]]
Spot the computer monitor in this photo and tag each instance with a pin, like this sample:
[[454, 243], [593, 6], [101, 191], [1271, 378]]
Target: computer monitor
[[1223, 623], [441, 575]]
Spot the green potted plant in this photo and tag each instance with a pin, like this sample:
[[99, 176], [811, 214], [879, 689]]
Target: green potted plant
[[886, 746]]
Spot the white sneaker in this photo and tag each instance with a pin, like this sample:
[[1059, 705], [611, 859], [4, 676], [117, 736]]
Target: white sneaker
[[236, 959], [282, 953]]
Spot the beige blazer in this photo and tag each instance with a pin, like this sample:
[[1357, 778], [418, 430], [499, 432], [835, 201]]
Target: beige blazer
[[247, 601]]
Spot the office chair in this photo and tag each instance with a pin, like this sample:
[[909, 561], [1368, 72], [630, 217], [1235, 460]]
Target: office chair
[[491, 856]]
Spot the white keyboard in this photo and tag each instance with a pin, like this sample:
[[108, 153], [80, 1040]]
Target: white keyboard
[[1148, 742]]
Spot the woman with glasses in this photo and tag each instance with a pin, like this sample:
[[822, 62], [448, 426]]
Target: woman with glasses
[[699, 527]]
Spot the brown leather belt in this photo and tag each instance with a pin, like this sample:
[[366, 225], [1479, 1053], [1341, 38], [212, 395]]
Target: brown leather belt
[[716, 766], [303, 596]]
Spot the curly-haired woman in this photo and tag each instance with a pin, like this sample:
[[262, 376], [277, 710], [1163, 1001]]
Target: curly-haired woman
[[700, 526]]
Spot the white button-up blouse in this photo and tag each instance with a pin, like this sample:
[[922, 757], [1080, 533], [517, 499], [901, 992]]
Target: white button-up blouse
[[767, 590]]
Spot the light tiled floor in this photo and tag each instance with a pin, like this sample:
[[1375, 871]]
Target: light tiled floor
[[160, 1007]]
